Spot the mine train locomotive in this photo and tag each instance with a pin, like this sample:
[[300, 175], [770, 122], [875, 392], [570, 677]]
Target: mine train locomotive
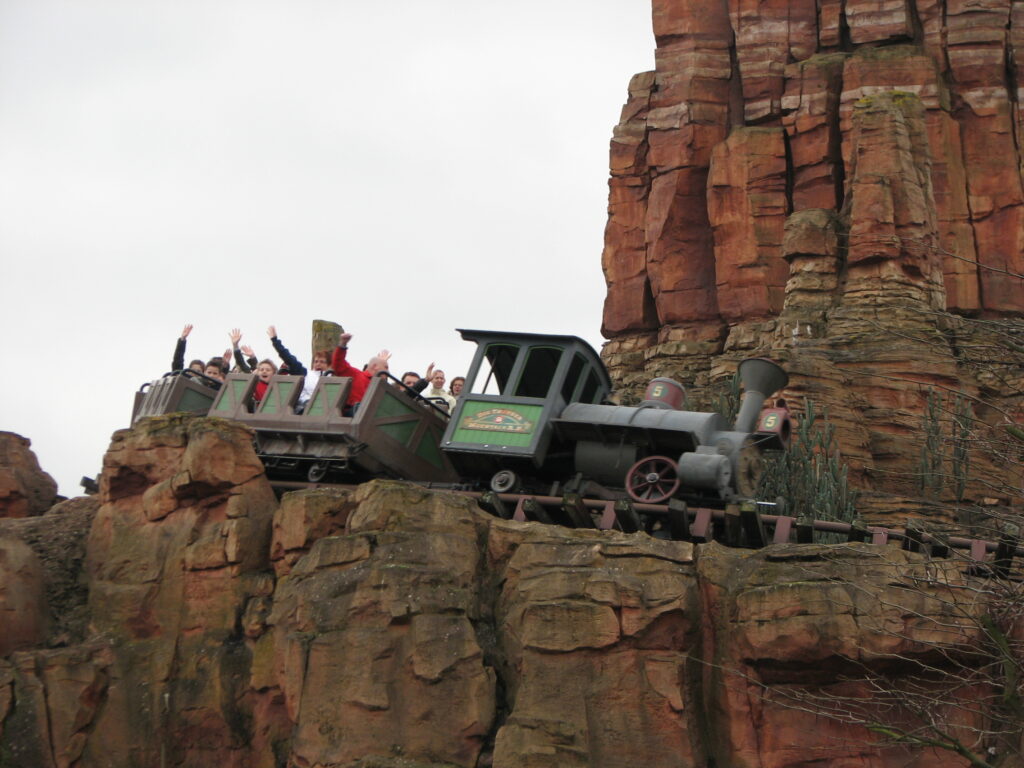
[[534, 417]]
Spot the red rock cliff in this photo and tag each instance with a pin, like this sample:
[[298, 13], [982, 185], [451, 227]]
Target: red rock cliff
[[820, 183], [395, 626]]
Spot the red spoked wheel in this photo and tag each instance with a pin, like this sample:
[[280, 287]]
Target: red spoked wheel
[[653, 480]]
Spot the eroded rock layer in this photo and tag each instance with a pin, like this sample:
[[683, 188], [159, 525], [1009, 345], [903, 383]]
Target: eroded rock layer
[[25, 490], [395, 626], [821, 183]]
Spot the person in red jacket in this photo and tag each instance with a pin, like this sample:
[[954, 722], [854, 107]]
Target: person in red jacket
[[264, 371], [360, 379]]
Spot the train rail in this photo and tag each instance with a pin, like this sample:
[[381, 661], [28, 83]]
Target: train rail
[[743, 525]]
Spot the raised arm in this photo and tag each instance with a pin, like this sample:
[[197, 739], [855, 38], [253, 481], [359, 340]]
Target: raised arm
[[420, 385], [294, 366], [178, 361], [236, 336], [339, 363]]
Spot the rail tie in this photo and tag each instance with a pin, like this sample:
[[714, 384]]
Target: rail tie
[[739, 525]]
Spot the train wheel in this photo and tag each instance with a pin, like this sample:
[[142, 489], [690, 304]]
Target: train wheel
[[317, 471], [652, 480], [505, 481]]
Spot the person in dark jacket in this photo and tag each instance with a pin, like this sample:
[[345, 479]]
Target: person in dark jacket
[[178, 361], [246, 364], [215, 369], [295, 368]]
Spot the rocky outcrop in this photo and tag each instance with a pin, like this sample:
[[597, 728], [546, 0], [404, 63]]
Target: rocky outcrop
[[595, 635], [396, 626], [302, 519], [178, 554], [789, 641], [25, 490], [57, 541], [375, 635], [823, 184], [23, 612]]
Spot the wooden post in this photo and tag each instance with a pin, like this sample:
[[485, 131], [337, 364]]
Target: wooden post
[[491, 502], [678, 520], [577, 511], [1005, 550], [534, 511], [804, 529], [733, 525], [753, 525], [858, 531], [912, 540], [629, 520], [325, 337]]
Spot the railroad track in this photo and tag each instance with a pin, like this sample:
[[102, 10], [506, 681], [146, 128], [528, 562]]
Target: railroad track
[[746, 524]]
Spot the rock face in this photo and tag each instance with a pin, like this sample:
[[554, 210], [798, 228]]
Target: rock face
[[821, 184], [596, 635], [25, 490], [178, 560], [22, 602], [374, 634], [395, 626]]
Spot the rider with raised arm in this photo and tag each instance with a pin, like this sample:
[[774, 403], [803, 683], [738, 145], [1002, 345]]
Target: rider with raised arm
[[178, 361], [360, 379], [244, 364]]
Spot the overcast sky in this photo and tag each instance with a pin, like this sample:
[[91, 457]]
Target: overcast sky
[[404, 168]]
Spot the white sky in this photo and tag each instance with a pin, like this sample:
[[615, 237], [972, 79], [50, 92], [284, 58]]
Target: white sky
[[404, 167]]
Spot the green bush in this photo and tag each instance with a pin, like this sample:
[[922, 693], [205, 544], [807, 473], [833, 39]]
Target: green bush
[[811, 476]]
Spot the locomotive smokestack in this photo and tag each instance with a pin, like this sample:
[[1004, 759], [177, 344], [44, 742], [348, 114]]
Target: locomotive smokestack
[[761, 379]]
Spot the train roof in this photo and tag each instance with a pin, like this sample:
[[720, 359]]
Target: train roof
[[549, 339]]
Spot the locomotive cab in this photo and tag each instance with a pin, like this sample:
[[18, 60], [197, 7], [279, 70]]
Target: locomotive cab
[[516, 385]]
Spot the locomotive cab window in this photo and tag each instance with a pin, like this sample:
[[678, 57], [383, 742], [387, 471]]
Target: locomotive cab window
[[572, 379], [495, 369], [539, 371], [591, 388]]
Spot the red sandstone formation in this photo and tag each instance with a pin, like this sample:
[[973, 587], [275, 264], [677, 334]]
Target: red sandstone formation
[[23, 613], [301, 519], [25, 489], [396, 626], [752, 114], [818, 183], [178, 560]]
